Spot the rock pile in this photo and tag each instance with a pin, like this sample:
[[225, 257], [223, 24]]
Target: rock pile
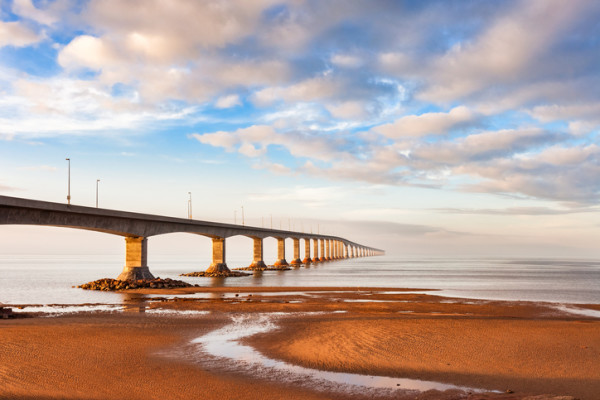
[[265, 268], [108, 284], [6, 312], [215, 274]]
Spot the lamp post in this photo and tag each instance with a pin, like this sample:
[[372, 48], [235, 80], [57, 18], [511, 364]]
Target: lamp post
[[190, 206], [97, 181], [242, 215], [69, 182]]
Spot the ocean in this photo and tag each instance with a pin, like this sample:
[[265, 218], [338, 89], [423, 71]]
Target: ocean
[[50, 279]]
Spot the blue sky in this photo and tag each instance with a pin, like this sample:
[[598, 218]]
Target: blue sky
[[423, 127]]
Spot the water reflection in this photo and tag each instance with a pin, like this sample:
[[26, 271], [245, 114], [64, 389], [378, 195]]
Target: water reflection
[[257, 278], [217, 281], [134, 302]]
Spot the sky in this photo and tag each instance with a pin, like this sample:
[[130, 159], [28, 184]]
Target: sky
[[430, 128]]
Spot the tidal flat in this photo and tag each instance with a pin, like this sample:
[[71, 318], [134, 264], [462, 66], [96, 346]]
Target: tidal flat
[[296, 342]]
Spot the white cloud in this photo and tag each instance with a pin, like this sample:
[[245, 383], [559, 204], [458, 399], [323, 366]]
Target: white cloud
[[347, 110], [567, 112], [312, 89], [396, 63], [59, 106], [276, 168], [347, 60], [564, 156], [426, 124], [482, 146], [568, 174], [505, 52], [228, 101], [18, 35], [254, 140], [183, 27], [249, 150], [88, 52], [46, 16]]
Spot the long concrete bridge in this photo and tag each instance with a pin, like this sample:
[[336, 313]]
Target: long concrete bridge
[[136, 228]]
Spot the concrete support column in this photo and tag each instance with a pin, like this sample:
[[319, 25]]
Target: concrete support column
[[281, 253], [330, 249], [335, 250], [136, 259], [315, 250], [327, 250], [323, 254], [257, 261], [346, 249], [352, 253], [218, 256], [296, 260], [307, 259]]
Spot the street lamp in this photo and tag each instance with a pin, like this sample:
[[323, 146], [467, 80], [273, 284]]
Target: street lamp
[[97, 181], [69, 184], [242, 215], [190, 206]]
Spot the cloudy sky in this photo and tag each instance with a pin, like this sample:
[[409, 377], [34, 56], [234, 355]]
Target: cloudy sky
[[422, 127]]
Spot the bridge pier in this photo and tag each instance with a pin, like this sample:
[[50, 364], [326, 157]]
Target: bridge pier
[[296, 260], [136, 259], [322, 258], [218, 256], [258, 262], [315, 250], [281, 253], [307, 259]]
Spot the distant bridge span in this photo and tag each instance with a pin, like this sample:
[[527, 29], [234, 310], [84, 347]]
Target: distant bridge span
[[136, 228]]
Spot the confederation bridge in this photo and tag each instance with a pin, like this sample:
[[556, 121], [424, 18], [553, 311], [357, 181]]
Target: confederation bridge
[[136, 228]]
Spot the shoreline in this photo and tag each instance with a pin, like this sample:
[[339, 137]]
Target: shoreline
[[523, 347]]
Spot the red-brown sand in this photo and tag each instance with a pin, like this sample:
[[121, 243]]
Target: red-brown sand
[[528, 348]]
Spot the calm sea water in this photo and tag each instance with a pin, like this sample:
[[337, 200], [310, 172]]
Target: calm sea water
[[48, 279]]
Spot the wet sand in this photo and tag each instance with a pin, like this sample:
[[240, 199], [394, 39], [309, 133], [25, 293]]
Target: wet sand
[[529, 348]]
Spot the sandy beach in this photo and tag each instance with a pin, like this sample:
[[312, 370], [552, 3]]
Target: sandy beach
[[508, 350]]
